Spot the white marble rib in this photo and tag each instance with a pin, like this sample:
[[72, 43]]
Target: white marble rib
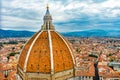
[[68, 47], [51, 52], [26, 60]]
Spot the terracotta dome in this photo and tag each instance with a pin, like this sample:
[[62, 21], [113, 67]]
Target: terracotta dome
[[47, 51]]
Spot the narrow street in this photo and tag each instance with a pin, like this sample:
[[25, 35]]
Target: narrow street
[[96, 71]]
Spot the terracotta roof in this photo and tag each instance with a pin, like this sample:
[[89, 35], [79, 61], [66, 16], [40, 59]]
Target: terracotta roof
[[5, 66], [1, 76], [85, 69], [12, 75], [39, 58], [107, 72]]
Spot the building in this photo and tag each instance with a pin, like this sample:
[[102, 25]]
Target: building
[[85, 71], [47, 55], [115, 66]]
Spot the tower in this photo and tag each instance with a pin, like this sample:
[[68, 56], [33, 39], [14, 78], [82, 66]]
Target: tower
[[47, 55]]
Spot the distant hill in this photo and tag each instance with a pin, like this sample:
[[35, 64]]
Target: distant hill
[[89, 33], [13, 33], [94, 33]]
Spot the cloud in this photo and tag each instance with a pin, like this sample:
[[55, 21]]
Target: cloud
[[67, 15]]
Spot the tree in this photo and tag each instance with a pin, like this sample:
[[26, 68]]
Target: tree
[[111, 60], [1, 45], [92, 55]]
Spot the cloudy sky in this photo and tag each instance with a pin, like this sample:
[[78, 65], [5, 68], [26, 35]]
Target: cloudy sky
[[68, 15]]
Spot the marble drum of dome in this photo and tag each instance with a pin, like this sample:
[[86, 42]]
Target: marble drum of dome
[[47, 55]]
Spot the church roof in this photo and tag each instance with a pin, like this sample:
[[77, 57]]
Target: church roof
[[47, 51]]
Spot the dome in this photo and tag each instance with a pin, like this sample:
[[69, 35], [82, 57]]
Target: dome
[[44, 48], [47, 52]]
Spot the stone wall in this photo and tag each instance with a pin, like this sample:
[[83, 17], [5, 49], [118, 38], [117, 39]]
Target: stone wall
[[64, 75]]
